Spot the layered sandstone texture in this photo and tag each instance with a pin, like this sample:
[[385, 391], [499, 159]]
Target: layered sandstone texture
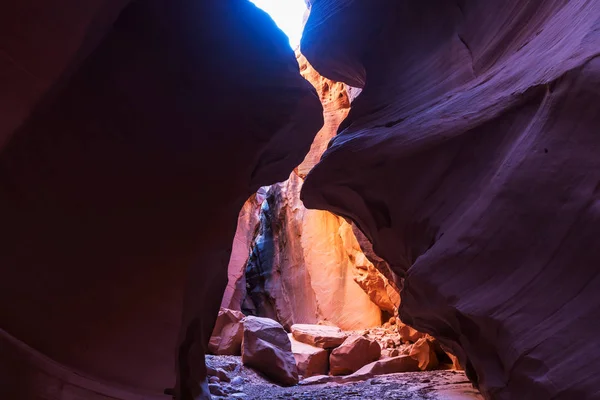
[[132, 133], [305, 266], [471, 161]]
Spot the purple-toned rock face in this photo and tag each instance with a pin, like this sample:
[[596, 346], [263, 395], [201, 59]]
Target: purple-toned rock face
[[131, 133], [471, 161], [144, 133]]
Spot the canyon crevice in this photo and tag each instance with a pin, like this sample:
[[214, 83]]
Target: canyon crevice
[[295, 265], [436, 161]]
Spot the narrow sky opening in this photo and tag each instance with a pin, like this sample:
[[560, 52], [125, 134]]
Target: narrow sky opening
[[287, 14]]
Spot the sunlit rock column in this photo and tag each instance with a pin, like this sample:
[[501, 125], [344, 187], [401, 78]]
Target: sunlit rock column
[[306, 266]]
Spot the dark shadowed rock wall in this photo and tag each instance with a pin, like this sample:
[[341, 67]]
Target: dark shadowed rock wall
[[136, 133], [470, 160]]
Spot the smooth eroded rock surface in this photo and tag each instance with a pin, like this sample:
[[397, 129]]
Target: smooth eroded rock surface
[[470, 160], [131, 135]]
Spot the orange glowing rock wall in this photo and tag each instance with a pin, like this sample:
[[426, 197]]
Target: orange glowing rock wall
[[305, 266]]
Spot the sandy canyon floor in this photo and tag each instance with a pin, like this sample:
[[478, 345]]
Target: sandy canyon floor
[[431, 385]]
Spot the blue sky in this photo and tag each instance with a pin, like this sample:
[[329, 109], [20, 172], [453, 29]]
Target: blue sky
[[287, 14]]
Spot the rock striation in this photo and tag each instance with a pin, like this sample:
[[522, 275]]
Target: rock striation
[[470, 161]]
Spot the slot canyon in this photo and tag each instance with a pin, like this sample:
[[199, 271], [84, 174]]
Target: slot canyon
[[404, 206]]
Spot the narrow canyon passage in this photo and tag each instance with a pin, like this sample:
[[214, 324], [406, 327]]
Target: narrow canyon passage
[[310, 272], [404, 206]]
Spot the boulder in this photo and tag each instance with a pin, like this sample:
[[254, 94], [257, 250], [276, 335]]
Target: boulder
[[267, 348], [227, 334], [354, 353], [380, 367], [385, 366], [326, 337], [310, 360], [423, 351]]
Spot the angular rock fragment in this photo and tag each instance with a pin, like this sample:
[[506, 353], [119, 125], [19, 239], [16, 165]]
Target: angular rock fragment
[[227, 333], [354, 353], [310, 360], [386, 366], [380, 367], [326, 337], [267, 348]]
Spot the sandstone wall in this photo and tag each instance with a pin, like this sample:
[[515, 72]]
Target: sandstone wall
[[135, 132], [306, 266], [470, 159]]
